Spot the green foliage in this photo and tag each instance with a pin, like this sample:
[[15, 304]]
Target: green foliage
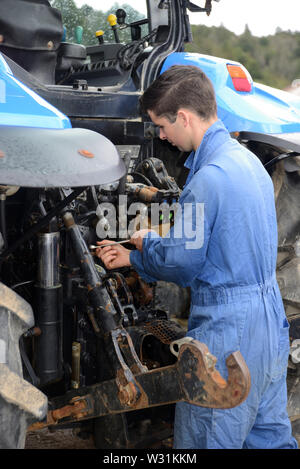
[[272, 60], [93, 20]]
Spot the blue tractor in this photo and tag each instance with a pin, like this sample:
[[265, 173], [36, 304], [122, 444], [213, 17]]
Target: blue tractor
[[78, 345]]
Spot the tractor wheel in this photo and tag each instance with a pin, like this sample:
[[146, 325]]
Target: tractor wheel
[[20, 402]]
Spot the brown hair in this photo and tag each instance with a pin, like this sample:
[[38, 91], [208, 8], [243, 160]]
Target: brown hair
[[180, 86]]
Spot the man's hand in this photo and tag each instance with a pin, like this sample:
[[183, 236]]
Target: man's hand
[[137, 238], [114, 256]]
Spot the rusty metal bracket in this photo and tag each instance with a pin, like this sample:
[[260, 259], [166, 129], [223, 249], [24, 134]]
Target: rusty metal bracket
[[193, 378], [176, 344], [127, 364], [210, 389], [78, 408]]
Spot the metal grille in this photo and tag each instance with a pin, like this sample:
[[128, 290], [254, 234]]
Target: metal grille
[[166, 331]]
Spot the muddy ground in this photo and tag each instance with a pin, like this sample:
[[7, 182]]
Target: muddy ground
[[69, 439], [58, 439]]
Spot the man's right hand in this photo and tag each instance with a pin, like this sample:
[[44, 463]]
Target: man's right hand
[[114, 256]]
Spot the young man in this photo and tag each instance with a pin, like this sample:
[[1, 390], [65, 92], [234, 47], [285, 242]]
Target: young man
[[227, 254]]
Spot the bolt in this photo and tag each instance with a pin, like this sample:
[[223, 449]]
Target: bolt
[[210, 360], [127, 394]]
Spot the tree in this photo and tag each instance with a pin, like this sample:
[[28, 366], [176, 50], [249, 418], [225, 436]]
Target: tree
[[273, 60], [71, 17], [92, 20]]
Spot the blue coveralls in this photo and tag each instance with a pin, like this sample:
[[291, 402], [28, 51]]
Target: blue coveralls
[[235, 300]]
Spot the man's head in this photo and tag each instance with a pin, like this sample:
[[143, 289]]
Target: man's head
[[176, 101]]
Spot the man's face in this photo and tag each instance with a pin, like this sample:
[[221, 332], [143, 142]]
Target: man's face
[[176, 133]]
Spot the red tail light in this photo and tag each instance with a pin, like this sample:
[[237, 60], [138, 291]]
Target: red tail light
[[240, 79]]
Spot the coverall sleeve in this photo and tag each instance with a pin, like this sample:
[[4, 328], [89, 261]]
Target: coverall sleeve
[[179, 256]]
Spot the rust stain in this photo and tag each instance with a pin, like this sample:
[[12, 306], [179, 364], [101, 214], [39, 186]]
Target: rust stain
[[84, 261], [69, 410], [2, 154], [219, 393], [108, 308], [217, 378], [128, 394], [78, 408], [86, 153]]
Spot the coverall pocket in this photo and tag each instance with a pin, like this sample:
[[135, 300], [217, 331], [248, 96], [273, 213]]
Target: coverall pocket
[[220, 326], [280, 367]]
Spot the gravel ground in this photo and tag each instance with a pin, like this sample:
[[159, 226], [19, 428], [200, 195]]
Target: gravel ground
[[68, 439], [58, 439]]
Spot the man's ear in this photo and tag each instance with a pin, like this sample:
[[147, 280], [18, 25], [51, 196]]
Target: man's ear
[[183, 117]]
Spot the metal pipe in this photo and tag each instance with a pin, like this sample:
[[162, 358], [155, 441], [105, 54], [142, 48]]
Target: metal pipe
[[98, 295], [48, 267], [48, 310]]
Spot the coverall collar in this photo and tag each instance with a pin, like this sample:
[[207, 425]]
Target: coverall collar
[[215, 135]]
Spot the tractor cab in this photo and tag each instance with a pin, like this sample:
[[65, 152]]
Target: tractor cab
[[123, 50]]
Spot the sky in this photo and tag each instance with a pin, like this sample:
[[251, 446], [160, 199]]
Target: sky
[[262, 16]]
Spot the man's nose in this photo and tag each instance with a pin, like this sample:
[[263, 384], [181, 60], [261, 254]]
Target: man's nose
[[162, 135]]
